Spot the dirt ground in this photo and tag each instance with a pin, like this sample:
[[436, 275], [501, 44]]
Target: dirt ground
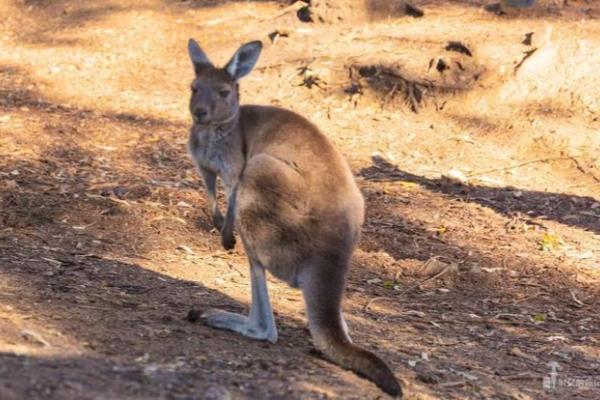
[[476, 149]]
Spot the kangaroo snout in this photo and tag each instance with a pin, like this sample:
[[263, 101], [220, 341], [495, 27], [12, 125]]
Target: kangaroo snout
[[200, 115]]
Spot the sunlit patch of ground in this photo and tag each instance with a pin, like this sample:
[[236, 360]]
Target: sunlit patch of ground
[[478, 263]]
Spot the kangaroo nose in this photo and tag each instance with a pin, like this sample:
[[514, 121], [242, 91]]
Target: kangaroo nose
[[200, 113]]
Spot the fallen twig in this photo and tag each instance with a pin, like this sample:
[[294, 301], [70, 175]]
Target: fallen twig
[[436, 276], [180, 220], [521, 375], [583, 171], [374, 299], [515, 351], [507, 316], [575, 299], [412, 97], [292, 8], [34, 337], [454, 383], [541, 160]]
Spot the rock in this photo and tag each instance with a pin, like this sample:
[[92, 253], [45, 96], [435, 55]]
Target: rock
[[457, 175]]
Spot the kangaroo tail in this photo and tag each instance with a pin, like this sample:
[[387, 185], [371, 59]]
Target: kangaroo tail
[[323, 294], [363, 362]]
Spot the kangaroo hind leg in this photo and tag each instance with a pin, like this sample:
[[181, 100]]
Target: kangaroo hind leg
[[260, 323]]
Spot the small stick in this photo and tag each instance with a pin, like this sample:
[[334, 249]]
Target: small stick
[[426, 264], [411, 97], [389, 95], [436, 276], [522, 375], [575, 299], [541, 160], [453, 384], [431, 278], [504, 315], [374, 299], [34, 336], [580, 168], [293, 8]]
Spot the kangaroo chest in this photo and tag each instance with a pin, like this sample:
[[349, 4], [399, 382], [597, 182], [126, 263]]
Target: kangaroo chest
[[217, 152], [211, 152]]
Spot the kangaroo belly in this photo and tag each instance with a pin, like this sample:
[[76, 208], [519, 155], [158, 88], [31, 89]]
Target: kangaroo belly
[[272, 214], [280, 224]]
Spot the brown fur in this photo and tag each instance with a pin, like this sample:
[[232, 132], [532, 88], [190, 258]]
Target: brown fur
[[299, 214]]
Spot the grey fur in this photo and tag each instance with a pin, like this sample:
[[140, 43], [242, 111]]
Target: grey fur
[[197, 55], [244, 60]]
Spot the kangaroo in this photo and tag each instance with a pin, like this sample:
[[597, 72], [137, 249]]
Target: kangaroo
[[295, 204]]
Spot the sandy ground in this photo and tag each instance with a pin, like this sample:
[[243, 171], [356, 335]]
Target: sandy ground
[[477, 275]]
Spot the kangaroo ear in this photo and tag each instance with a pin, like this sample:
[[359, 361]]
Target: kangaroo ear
[[244, 60], [198, 57]]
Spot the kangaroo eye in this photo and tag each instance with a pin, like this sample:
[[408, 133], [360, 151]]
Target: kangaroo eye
[[224, 93]]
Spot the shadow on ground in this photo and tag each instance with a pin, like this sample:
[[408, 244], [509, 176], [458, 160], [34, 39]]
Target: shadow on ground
[[572, 210]]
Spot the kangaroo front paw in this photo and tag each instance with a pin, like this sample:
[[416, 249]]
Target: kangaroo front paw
[[228, 240], [217, 220]]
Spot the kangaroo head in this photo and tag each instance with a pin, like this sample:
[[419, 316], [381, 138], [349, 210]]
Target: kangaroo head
[[215, 95]]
